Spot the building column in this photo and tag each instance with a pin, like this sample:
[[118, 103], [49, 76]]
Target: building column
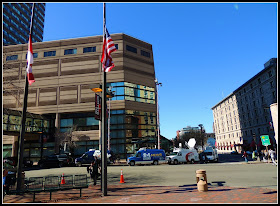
[[57, 129]]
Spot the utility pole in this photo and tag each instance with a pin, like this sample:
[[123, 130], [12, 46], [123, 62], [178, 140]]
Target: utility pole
[[103, 122], [23, 117], [158, 130]]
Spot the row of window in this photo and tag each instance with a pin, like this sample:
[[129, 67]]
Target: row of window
[[134, 50], [26, 23], [12, 123], [132, 92], [53, 53]]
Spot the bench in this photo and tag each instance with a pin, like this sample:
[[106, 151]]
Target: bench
[[51, 184]]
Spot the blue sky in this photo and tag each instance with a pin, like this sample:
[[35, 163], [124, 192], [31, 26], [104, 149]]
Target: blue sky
[[202, 51]]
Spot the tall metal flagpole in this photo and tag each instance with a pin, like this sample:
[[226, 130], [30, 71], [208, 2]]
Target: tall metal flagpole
[[104, 121], [23, 120]]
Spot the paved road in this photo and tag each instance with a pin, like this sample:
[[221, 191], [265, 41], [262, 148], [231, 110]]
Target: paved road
[[232, 174]]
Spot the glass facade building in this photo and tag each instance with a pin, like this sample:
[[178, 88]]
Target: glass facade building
[[37, 127], [65, 76], [16, 22]]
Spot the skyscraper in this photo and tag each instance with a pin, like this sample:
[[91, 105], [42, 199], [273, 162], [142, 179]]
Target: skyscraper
[[16, 22]]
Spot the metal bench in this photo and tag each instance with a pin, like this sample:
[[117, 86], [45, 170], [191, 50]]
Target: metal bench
[[51, 184]]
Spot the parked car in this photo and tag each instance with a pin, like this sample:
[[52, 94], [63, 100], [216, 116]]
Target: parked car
[[13, 161], [88, 157], [49, 162], [65, 159], [234, 153]]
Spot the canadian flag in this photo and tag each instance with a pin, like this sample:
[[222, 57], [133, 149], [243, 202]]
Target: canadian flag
[[30, 62]]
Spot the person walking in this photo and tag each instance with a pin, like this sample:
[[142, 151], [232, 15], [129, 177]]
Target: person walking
[[6, 182], [93, 169], [272, 156], [245, 156]]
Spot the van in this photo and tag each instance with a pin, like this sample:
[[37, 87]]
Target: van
[[88, 157], [211, 154], [147, 156], [182, 155]]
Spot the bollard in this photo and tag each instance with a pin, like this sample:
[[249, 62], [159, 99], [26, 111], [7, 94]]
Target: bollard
[[201, 180]]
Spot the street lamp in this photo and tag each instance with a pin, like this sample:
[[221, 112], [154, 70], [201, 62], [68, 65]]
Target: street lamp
[[157, 84], [201, 126]]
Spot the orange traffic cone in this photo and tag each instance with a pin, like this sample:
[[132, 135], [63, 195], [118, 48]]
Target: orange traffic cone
[[62, 180], [122, 180]]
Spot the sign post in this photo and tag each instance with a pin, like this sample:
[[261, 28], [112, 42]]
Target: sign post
[[265, 141]]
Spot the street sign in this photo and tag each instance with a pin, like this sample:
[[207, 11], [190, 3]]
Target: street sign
[[265, 140]]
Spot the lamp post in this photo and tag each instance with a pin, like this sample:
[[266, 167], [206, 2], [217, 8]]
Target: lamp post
[[201, 126], [158, 133]]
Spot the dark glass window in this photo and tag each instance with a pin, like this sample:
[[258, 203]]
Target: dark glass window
[[70, 51], [49, 53], [117, 46], [35, 55], [145, 54], [13, 57], [131, 49], [90, 49]]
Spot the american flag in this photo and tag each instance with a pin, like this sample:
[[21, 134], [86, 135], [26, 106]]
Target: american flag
[[108, 48], [30, 62]]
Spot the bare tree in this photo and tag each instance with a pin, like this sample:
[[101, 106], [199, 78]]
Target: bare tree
[[69, 138]]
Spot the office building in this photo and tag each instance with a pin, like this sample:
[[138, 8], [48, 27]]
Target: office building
[[244, 115], [66, 70], [16, 22]]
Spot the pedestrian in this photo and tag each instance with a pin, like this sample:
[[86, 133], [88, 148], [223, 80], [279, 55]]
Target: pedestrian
[[201, 157], [6, 182], [245, 156], [265, 158], [253, 155], [94, 171], [272, 156], [205, 158]]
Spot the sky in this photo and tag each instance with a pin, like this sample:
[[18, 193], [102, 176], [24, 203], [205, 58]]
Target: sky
[[202, 51]]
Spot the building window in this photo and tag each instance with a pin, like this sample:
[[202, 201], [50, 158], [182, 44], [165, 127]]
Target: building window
[[259, 80], [70, 51], [271, 84], [261, 91], [131, 49], [145, 54], [270, 74], [49, 53], [35, 55], [11, 58], [117, 46], [89, 49]]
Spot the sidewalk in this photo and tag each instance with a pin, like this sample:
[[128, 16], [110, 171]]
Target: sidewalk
[[123, 193]]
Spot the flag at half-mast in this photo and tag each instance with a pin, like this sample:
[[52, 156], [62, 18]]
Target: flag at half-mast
[[108, 48], [30, 62]]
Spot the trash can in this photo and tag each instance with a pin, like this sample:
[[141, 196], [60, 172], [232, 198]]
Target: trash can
[[201, 180]]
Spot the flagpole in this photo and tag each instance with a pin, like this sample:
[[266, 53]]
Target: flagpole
[[104, 121], [23, 120]]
